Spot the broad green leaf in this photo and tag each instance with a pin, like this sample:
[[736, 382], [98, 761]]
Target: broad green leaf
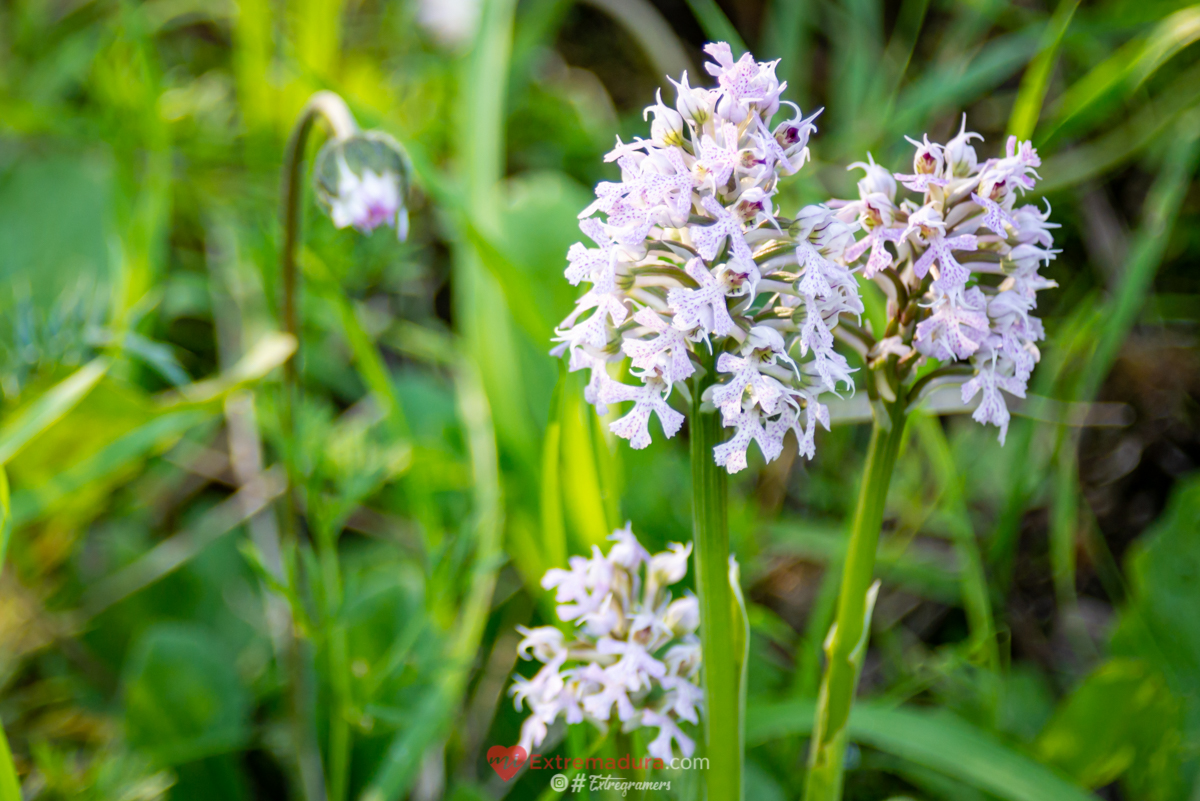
[[939, 741], [1159, 624], [183, 697], [49, 408], [1122, 720]]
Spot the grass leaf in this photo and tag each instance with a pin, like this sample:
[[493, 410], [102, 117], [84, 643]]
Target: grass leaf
[[48, 409], [939, 741]]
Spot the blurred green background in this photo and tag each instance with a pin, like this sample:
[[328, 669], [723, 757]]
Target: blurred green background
[[1038, 631]]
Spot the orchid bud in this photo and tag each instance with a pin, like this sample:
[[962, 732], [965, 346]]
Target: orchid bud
[[691, 103], [670, 566], [362, 181], [762, 337], [928, 159], [960, 156], [545, 643], [808, 218], [667, 128], [876, 181], [683, 615]]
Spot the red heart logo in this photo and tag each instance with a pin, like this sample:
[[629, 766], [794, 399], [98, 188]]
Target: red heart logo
[[506, 761]]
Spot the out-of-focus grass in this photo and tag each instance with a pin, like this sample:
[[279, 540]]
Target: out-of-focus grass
[[449, 462]]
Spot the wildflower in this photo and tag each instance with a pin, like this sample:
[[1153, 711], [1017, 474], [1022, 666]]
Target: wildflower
[[976, 309], [686, 243], [639, 668], [362, 180]]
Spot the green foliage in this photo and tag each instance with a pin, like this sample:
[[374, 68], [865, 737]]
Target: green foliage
[[1121, 720], [184, 699], [176, 623]]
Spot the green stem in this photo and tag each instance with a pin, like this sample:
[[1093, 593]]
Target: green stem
[[332, 109], [718, 633], [847, 638]]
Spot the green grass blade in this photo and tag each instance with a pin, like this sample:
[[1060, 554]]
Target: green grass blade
[[938, 741], [10, 788], [1141, 127], [554, 527], [646, 25], [1031, 95], [975, 598], [924, 575], [5, 516], [270, 352], [716, 25], [153, 437], [403, 759], [1146, 252], [1126, 70], [49, 408], [950, 85], [787, 36]]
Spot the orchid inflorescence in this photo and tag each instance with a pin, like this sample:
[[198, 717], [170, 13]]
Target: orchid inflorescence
[[692, 254], [957, 310], [634, 647]]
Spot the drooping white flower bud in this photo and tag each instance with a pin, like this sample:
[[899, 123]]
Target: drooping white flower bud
[[363, 182]]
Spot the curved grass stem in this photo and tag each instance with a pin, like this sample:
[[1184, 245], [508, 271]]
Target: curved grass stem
[[331, 108]]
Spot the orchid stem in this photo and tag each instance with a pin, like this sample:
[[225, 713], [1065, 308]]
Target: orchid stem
[[332, 109], [846, 644], [721, 662]]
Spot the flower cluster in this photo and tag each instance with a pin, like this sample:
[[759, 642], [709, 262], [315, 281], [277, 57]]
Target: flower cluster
[[692, 258], [635, 650], [362, 180], [974, 309]]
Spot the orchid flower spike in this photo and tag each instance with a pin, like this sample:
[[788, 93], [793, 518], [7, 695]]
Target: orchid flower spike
[[950, 305], [634, 656], [691, 255]]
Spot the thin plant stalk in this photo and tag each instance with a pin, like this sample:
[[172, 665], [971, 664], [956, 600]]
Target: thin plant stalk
[[332, 109], [723, 721], [847, 639]]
